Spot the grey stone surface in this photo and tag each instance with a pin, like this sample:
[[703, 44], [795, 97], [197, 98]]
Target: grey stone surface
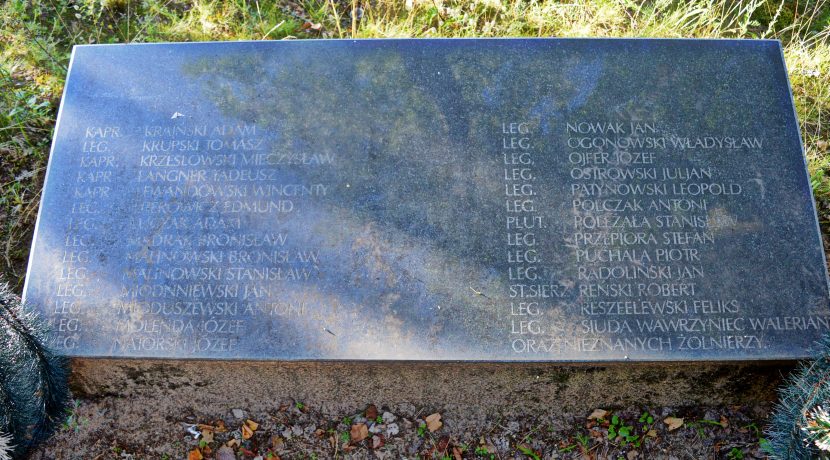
[[534, 200]]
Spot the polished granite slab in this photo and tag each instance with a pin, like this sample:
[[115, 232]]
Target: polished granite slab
[[484, 200]]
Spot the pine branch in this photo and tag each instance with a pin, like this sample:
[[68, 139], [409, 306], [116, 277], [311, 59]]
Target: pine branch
[[818, 428], [33, 380], [805, 392], [6, 446]]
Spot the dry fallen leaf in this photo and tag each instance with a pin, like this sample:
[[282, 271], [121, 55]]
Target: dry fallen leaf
[[312, 25], [456, 453], [247, 432], [443, 445], [434, 422], [359, 432], [652, 433], [377, 441], [598, 414], [207, 436], [216, 429], [724, 422], [673, 423], [276, 442], [632, 454], [195, 455], [252, 424], [232, 442], [372, 412]]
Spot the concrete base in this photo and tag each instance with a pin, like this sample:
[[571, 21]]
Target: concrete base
[[467, 389]]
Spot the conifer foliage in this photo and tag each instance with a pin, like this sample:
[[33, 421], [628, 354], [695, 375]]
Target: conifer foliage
[[800, 425], [6, 446], [34, 395]]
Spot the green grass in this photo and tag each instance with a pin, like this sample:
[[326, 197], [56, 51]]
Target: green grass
[[36, 39]]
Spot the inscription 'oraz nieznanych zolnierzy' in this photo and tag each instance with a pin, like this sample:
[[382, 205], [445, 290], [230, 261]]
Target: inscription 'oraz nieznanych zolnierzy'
[[535, 200]]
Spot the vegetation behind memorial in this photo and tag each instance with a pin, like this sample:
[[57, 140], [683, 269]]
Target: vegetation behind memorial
[[36, 39]]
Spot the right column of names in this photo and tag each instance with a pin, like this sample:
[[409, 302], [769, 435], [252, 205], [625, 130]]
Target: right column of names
[[644, 219]]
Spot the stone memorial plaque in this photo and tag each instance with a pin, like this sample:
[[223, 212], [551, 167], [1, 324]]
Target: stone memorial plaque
[[493, 200]]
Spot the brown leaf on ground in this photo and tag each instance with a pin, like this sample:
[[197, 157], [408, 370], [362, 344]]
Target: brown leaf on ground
[[724, 422], [372, 412], [215, 428], [377, 441], [247, 432], [252, 424], [632, 454], [220, 427], [443, 445], [434, 422], [359, 432], [207, 436], [232, 443], [457, 454], [673, 423], [598, 414], [195, 455], [276, 442], [652, 433]]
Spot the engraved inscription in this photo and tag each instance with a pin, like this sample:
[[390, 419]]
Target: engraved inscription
[[538, 200]]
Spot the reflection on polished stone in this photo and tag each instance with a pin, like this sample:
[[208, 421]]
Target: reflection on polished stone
[[535, 200]]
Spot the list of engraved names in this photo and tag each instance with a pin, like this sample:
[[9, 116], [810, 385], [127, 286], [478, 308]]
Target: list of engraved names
[[196, 270], [641, 219], [609, 233]]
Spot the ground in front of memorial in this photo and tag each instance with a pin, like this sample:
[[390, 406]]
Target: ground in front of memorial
[[37, 39], [109, 429]]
